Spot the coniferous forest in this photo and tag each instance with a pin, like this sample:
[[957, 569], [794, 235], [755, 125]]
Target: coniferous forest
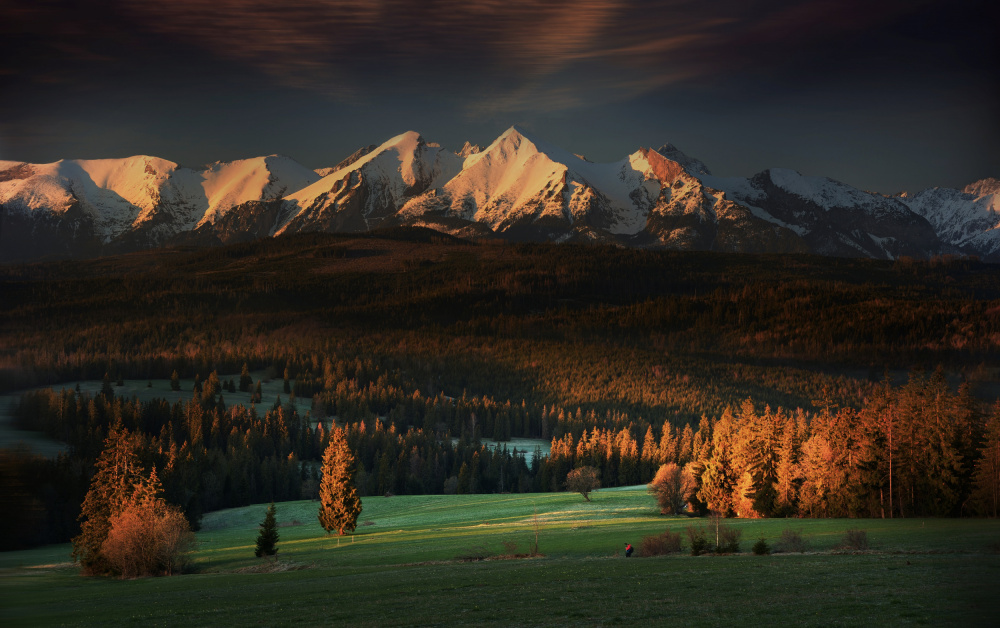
[[782, 385]]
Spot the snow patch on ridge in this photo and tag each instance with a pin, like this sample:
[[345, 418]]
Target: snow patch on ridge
[[822, 191]]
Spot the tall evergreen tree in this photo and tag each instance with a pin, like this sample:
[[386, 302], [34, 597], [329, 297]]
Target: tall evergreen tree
[[267, 540], [106, 390], [339, 501], [245, 380], [118, 471]]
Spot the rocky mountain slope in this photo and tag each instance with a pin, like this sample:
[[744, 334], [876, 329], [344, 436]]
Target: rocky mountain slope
[[519, 187]]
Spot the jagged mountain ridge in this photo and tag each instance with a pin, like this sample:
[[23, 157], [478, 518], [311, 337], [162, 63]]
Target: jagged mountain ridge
[[81, 207], [519, 187]]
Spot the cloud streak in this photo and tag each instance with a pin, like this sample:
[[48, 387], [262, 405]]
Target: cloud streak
[[527, 50], [488, 57]]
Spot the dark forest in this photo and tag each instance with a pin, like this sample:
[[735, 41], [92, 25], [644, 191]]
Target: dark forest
[[783, 385]]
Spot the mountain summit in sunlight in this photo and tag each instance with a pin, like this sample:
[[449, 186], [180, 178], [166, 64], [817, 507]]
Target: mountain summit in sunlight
[[517, 188]]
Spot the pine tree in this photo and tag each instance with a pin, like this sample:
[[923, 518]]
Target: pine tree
[[175, 381], [339, 501], [267, 540]]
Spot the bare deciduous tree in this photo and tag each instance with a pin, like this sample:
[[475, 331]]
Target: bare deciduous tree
[[583, 481]]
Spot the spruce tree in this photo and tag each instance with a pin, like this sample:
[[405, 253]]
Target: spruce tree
[[267, 540], [118, 471], [245, 380], [175, 381], [106, 390], [339, 501]]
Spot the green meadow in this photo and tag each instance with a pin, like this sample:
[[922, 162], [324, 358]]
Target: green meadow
[[441, 560]]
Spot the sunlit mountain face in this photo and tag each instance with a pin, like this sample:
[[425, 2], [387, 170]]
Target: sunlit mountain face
[[518, 188]]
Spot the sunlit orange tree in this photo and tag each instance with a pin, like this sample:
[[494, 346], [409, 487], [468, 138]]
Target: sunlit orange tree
[[339, 501]]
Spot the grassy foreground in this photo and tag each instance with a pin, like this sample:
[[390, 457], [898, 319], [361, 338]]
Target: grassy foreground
[[409, 563]]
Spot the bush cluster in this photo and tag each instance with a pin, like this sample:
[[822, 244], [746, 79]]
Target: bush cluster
[[729, 540], [791, 541], [148, 538], [698, 538], [660, 544], [854, 540]]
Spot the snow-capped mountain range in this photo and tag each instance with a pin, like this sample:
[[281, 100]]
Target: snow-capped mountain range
[[519, 187]]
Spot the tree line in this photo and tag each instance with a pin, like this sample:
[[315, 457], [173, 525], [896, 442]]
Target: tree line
[[918, 450]]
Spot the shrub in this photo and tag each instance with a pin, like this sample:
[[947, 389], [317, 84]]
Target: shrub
[[659, 544], [477, 553], [761, 548], [791, 541], [855, 540], [729, 540], [699, 540], [148, 538]]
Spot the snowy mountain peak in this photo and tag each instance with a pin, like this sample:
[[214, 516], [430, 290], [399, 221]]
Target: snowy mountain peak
[[517, 140], [228, 184], [371, 188], [665, 170], [402, 142], [518, 187], [692, 165], [983, 187], [823, 191], [469, 149]]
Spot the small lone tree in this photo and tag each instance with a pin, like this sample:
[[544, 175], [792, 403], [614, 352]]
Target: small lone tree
[[339, 501], [175, 381], [267, 540], [583, 481]]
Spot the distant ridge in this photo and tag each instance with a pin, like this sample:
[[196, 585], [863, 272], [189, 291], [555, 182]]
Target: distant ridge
[[518, 188]]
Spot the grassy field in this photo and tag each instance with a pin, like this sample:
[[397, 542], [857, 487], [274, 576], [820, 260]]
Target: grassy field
[[413, 561]]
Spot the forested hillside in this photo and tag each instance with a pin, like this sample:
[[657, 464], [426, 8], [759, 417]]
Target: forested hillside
[[423, 344]]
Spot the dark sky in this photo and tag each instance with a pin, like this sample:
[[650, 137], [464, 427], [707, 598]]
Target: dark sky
[[884, 95]]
